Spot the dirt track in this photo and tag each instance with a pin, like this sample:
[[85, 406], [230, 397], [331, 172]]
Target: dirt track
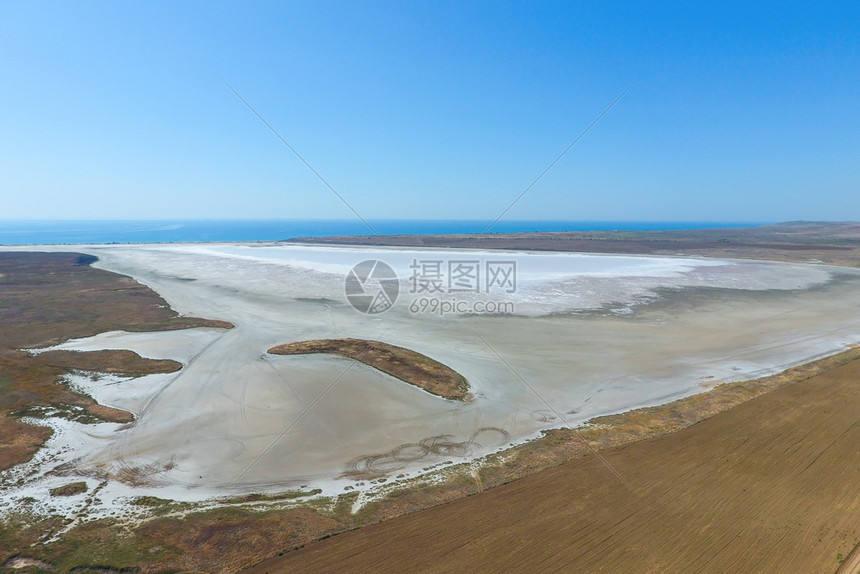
[[772, 485]]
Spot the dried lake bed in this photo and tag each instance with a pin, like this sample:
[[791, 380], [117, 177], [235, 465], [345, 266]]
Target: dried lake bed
[[589, 335]]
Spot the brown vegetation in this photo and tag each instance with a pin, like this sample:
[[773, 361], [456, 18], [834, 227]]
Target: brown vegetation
[[118, 362], [404, 364], [217, 541], [19, 441], [47, 298], [71, 489]]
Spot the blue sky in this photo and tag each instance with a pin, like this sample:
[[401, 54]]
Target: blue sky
[[739, 112]]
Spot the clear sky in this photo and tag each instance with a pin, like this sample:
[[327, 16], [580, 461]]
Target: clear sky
[[739, 112]]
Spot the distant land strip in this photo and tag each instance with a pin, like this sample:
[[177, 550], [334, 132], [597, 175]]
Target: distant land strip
[[834, 243], [404, 364]]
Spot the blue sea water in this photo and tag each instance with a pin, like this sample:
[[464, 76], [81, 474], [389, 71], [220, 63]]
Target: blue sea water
[[71, 232]]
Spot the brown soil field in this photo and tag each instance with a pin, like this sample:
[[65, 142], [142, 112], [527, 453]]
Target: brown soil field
[[851, 564], [47, 298], [771, 485], [404, 364], [832, 243]]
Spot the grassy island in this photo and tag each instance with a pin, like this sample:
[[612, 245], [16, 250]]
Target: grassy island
[[404, 364]]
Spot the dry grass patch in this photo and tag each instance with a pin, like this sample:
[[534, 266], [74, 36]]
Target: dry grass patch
[[71, 489], [404, 364]]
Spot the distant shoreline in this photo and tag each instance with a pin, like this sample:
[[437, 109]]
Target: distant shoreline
[[834, 243], [214, 231], [830, 243]]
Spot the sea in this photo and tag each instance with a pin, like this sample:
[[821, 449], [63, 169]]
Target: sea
[[55, 232]]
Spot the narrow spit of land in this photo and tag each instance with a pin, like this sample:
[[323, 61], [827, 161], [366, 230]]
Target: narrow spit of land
[[48, 298], [404, 364]]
